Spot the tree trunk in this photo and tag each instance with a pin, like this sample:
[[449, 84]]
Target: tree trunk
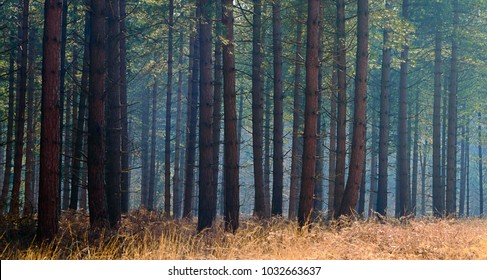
[[278, 157], [463, 174], [267, 146], [176, 210], [207, 196], [333, 133], [341, 65], [96, 120], [62, 94], [167, 142], [29, 149], [257, 111], [231, 150], [356, 168], [437, 185], [414, 180], [310, 115], [125, 152], [467, 167], [373, 170], [153, 143], [191, 126], [20, 107], [48, 217], [10, 127], [452, 121], [423, 179], [404, 207], [217, 104], [297, 119]]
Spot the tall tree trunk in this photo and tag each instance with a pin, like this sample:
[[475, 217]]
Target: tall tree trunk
[[62, 96], [423, 179], [48, 217], [77, 172], [68, 130], [217, 104], [341, 65], [153, 143], [167, 142], [297, 119], [463, 174], [267, 146], [191, 126], [176, 178], [20, 107], [467, 168], [278, 157], [96, 120], [125, 152], [414, 180], [10, 126], [29, 148], [373, 170], [361, 197], [145, 163], [437, 185], [310, 115], [452, 121], [257, 111], [404, 207], [207, 196], [231, 143], [356, 168], [333, 133]]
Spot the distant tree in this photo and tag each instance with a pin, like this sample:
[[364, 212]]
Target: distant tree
[[310, 115], [481, 179], [125, 152], [231, 141], [145, 161], [357, 159], [151, 192], [48, 218]]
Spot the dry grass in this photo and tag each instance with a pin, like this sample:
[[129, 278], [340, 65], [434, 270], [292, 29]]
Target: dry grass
[[149, 236]]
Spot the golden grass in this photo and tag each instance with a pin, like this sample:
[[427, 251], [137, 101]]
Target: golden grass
[[146, 235]]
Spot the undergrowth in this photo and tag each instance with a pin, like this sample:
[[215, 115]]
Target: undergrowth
[[148, 235]]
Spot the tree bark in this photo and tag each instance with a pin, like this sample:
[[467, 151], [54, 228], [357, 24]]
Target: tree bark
[[231, 141], [176, 210], [437, 186], [153, 143], [167, 142], [341, 65], [96, 120], [414, 180], [48, 217], [310, 115], [356, 168], [145, 162], [125, 152], [481, 179]]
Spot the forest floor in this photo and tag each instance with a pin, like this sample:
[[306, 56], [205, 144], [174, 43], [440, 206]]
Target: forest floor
[[145, 235]]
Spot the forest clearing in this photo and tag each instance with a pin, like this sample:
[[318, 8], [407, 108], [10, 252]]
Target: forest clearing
[[148, 236]]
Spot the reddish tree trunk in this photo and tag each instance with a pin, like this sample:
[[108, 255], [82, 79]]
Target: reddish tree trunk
[[310, 114], [356, 168], [50, 126]]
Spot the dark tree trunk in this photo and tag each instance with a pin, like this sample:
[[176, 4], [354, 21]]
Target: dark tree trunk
[[96, 120], [356, 168], [50, 126], [217, 104], [153, 143], [145, 163], [333, 133], [29, 148], [20, 107], [267, 146], [62, 97], [176, 205], [296, 149], [373, 170], [10, 127], [467, 168], [77, 172], [404, 206], [452, 121], [310, 115], [277, 179], [66, 165], [361, 198], [423, 179], [257, 111], [341, 65], [463, 174], [125, 152], [207, 196], [191, 127], [167, 142], [231, 141], [437, 185]]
